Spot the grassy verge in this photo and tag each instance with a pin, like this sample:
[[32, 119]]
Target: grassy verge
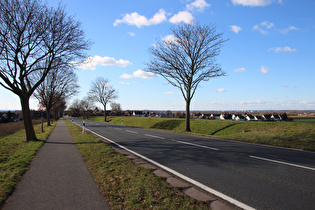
[[298, 134], [15, 157], [124, 184]]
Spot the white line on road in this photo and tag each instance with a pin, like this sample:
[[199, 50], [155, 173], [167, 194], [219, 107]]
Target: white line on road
[[197, 145], [202, 186], [281, 162], [131, 131], [158, 137]]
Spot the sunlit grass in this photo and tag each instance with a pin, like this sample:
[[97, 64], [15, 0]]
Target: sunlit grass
[[299, 134]]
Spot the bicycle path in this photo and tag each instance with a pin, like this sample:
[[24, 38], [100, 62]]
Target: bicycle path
[[57, 179]]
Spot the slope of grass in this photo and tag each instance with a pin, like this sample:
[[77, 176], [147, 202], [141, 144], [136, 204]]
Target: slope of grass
[[15, 157], [124, 184], [299, 134]]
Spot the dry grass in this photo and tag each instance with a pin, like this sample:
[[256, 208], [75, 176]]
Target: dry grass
[[12, 127]]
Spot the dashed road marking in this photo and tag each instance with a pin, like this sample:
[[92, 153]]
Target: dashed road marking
[[158, 137], [197, 145], [281, 162], [132, 131]]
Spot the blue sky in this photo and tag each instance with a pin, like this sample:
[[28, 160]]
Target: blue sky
[[269, 58]]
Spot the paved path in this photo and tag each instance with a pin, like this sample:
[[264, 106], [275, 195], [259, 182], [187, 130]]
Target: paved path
[[58, 178]]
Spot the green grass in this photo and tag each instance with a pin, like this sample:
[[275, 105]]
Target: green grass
[[15, 157], [124, 184], [299, 134]]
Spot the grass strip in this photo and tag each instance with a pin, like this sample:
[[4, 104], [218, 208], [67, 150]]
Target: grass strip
[[124, 184], [299, 134], [15, 157]]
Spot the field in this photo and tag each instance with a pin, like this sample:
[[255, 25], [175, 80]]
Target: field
[[299, 134], [12, 127]]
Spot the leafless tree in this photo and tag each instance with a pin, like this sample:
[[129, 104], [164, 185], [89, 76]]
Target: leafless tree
[[102, 92], [34, 39], [75, 108], [58, 108], [186, 58], [59, 84], [116, 108], [87, 104]]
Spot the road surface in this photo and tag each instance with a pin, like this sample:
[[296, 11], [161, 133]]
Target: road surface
[[262, 177]]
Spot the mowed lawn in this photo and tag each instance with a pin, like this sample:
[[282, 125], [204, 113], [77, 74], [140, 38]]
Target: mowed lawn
[[299, 134]]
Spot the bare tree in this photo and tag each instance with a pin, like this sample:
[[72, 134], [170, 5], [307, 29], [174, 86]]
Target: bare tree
[[33, 40], [116, 108], [59, 84], [58, 108], [186, 58], [75, 108], [87, 104], [102, 92]]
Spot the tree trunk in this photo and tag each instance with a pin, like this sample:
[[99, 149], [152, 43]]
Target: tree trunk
[[188, 115], [48, 117], [27, 119], [105, 111]]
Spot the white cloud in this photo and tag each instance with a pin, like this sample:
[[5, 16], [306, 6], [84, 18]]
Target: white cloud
[[144, 74], [264, 26], [239, 70], [220, 90], [127, 76], [140, 20], [182, 16], [287, 30], [91, 63], [253, 103], [235, 28], [139, 73], [198, 4], [264, 70], [169, 38], [125, 83], [308, 103], [283, 49], [169, 93], [255, 3], [131, 33]]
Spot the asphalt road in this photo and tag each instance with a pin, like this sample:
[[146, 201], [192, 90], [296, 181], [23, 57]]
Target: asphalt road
[[262, 177]]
